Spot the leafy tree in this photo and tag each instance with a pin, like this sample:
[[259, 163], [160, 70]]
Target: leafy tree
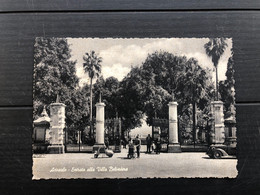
[[149, 89], [55, 74], [196, 87], [159, 75], [92, 66], [121, 99], [109, 88], [227, 90], [215, 49], [130, 99], [163, 68], [186, 79]]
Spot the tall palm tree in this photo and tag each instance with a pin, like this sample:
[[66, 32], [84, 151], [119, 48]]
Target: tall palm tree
[[92, 66], [215, 49]]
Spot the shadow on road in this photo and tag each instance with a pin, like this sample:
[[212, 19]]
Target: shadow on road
[[100, 157], [125, 158], [206, 157], [223, 158]]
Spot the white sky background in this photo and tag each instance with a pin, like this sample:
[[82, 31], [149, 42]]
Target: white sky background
[[120, 54]]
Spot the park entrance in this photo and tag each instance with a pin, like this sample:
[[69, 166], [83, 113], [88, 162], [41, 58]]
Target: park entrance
[[160, 130], [83, 141]]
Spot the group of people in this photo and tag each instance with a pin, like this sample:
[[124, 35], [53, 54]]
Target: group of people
[[136, 143], [154, 144]]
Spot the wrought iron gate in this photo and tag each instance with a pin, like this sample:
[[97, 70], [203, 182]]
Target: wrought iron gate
[[160, 129]]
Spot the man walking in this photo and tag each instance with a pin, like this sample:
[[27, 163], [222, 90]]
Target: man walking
[[148, 143], [158, 145], [138, 146]]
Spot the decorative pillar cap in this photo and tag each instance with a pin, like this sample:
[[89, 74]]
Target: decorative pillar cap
[[58, 99], [100, 104], [44, 119], [58, 104], [100, 97], [216, 102], [44, 113], [173, 97], [172, 103]]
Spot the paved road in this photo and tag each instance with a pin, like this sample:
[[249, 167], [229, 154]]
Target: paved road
[[82, 165]]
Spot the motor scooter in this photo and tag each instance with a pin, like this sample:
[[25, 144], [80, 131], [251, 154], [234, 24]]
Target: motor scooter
[[102, 150]]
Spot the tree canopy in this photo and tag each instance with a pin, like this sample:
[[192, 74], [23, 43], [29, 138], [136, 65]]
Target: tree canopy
[[55, 74], [227, 90], [215, 49], [92, 66], [147, 89]]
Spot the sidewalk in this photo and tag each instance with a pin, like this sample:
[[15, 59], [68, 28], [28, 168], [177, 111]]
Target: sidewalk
[[164, 165], [184, 148]]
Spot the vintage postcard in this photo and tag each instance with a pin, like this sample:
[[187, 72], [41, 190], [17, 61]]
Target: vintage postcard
[[133, 108]]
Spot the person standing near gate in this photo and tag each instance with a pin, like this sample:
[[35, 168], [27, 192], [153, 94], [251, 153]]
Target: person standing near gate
[[148, 143], [158, 145], [107, 143], [138, 145]]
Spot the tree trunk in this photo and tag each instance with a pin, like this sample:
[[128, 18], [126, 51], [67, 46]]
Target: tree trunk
[[90, 116], [216, 82]]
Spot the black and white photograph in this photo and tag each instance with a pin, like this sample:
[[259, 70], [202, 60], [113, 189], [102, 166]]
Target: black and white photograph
[[133, 108]]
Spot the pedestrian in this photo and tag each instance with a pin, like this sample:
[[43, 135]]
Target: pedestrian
[[158, 146], [117, 141], [148, 143], [153, 146], [125, 140], [107, 143], [138, 145], [131, 152]]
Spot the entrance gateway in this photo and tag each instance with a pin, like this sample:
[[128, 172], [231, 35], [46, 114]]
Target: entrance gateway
[[168, 129], [173, 146], [57, 124]]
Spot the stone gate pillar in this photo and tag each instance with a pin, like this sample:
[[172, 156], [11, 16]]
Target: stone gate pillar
[[100, 126], [57, 124], [174, 145], [218, 127]]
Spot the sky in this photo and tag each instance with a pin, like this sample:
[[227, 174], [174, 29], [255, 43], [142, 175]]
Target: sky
[[119, 54]]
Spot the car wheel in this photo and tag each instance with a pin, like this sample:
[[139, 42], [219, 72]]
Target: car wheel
[[217, 154]]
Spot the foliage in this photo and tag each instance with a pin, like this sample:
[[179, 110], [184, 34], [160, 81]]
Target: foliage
[[147, 89], [178, 76], [92, 66], [227, 91], [109, 94], [215, 49], [55, 74]]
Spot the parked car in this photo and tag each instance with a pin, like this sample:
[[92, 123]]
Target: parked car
[[228, 148]]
